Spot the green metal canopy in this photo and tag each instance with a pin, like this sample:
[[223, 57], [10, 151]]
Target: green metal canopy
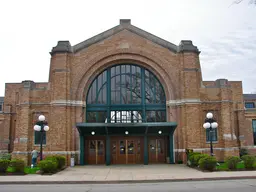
[[133, 128]]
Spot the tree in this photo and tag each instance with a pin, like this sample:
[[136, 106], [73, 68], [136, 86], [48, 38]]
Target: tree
[[239, 1]]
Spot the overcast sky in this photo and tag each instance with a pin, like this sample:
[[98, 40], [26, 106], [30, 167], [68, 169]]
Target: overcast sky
[[225, 35]]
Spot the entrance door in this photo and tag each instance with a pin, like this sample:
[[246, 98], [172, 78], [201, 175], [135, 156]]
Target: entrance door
[[96, 151], [156, 150], [126, 150]]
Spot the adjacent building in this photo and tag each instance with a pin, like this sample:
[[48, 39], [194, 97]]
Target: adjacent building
[[126, 96]]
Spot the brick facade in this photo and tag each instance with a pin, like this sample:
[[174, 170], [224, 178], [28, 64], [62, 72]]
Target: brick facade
[[73, 68]]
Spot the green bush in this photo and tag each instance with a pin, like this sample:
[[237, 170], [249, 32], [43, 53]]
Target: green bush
[[4, 164], [61, 161], [6, 156], [232, 162], [249, 161], [208, 163], [18, 165], [243, 152], [254, 165], [198, 157], [48, 166], [191, 158], [180, 162]]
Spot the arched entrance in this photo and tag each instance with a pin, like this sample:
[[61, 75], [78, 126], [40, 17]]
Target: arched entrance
[[126, 119]]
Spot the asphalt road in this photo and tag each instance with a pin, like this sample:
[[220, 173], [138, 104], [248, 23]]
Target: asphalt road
[[198, 186]]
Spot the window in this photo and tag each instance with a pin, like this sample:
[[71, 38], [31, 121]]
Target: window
[[1, 107], [249, 105], [126, 94], [254, 130], [38, 137]]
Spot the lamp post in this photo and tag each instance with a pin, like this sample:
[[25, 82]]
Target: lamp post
[[210, 123], [41, 126]]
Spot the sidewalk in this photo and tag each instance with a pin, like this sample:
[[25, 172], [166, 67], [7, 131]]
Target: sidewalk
[[126, 174]]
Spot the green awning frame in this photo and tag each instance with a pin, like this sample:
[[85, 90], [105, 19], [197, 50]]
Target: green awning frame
[[133, 128]]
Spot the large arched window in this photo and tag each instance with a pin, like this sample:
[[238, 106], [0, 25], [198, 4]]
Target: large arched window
[[126, 94]]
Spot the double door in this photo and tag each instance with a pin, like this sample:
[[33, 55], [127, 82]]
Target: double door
[[95, 153], [126, 150], [157, 150]]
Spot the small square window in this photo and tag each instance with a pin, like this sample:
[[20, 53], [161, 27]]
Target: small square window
[[1, 107], [249, 105]]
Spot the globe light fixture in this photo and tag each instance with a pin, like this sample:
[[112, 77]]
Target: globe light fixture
[[210, 123], [41, 126], [93, 133], [126, 132], [159, 132]]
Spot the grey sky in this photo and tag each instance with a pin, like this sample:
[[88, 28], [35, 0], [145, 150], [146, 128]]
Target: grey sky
[[226, 36]]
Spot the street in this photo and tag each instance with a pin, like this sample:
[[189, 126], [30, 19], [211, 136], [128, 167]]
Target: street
[[198, 186]]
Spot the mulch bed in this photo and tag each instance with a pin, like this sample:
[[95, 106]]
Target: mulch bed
[[206, 171], [12, 174]]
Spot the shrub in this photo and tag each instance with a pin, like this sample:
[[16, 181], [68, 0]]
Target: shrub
[[249, 160], [208, 163], [48, 166], [254, 165], [191, 158], [243, 152], [6, 156], [180, 162], [198, 157], [4, 164], [232, 162], [18, 165], [61, 161]]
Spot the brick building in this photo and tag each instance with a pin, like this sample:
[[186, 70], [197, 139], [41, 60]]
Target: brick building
[[126, 96]]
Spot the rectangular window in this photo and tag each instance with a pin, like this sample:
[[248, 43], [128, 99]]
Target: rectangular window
[[1, 107], [249, 105], [254, 130], [38, 137]]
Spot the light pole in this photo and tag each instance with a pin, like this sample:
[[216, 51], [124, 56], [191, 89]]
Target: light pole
[[41, 126], [210, 124]]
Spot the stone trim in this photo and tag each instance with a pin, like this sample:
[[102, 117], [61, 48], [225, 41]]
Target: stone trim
[[68, 103], [218, 149], [47, 152], [191, 69], [3, 151], [119, 28], [182, 102], [168, 103], [61, 70], [28, 103], [195, 101]]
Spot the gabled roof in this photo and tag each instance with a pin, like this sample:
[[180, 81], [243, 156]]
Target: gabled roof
[[125, 24]]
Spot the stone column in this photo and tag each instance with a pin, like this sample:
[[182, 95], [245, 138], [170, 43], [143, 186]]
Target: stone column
[[61, 103], [24, 128]]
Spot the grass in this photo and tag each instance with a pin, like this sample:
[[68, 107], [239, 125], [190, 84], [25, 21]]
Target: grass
[[224, 167], [27, 170]]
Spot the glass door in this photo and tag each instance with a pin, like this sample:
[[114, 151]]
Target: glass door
[[96, 152], [156, 151]]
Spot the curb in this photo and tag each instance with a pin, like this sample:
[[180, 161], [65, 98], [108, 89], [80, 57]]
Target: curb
[[125, 181]]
